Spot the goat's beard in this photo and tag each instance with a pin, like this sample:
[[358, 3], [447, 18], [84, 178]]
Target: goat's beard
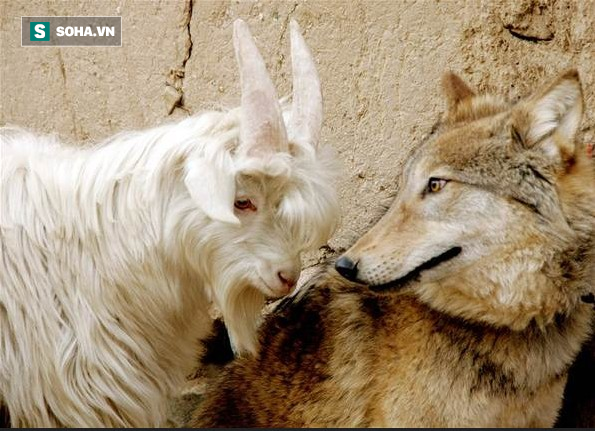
[[225, 272], [242, 314], [241, 305]]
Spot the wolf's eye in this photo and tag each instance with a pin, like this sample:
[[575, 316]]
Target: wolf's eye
[[436, 184], [244, 205]]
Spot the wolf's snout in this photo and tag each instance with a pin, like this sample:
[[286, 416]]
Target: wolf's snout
[[347, 268]]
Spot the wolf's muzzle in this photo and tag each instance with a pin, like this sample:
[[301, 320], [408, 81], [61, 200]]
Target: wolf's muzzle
[[416, 272]]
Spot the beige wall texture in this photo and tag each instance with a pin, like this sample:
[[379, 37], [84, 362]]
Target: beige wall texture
[[380, 63]]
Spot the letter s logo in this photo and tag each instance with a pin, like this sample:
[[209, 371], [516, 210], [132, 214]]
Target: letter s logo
[[39, 31]]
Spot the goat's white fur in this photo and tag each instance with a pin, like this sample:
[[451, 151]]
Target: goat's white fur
[[111, 255]]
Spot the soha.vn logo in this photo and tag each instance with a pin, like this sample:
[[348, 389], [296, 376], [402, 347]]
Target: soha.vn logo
[[39, 31]]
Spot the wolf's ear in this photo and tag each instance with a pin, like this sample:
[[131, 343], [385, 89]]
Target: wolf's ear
[[455, 90], [550, 119], [211, 184]]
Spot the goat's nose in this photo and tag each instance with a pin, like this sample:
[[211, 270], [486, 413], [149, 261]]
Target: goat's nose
[[347, 268], [288, 279]]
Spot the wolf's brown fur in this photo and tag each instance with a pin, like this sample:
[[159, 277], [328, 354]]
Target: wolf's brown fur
[[578, 409], [483, 339]]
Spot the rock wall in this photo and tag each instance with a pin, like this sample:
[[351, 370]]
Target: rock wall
[[380, 64]]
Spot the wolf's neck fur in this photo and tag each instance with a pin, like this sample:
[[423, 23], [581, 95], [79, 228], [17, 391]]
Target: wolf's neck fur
[[456, 366], [525, 370]]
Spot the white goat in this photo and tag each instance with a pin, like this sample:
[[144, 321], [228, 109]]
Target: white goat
[[112, 255]]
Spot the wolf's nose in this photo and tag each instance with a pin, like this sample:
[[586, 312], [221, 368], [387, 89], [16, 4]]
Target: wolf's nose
[[347, 268]]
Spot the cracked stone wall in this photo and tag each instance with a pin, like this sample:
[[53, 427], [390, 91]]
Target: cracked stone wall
[[380, 64]]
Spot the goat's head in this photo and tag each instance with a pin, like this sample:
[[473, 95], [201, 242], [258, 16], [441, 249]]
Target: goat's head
[[270, 196]]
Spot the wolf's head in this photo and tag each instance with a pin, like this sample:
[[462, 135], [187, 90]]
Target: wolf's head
[[495, 216]]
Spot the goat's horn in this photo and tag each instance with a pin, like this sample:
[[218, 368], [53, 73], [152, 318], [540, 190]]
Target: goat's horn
[[306, 117], [262, 129]]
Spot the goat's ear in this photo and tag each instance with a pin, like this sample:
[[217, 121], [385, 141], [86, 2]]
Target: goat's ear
[[212, 187], [262, 130], [550, 119], [306, 113], [455, 90]]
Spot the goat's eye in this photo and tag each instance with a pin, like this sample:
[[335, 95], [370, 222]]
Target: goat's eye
[[244, 205], [436, 184]]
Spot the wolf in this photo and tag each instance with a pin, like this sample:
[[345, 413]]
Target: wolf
[[462, 305]]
